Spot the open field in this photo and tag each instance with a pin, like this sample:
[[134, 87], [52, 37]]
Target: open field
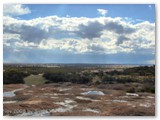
[[35, 80], [106, 92]]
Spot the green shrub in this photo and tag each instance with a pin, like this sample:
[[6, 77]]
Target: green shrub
[[150, 89], [97, 82], [131, 90]]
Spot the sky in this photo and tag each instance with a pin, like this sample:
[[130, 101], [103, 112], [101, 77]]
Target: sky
[[79, 33]]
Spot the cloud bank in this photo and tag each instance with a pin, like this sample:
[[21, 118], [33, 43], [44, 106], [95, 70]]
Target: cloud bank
[[112, 34]]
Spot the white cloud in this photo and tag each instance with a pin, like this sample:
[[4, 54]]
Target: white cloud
[[103, 35], [102, 12], [150, 6], [139, 20], [15, 9]]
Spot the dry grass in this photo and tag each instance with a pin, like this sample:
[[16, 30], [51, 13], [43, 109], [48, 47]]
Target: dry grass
[[34, 80], [128, 111], [102, 106], [11, 87], [80, 101]]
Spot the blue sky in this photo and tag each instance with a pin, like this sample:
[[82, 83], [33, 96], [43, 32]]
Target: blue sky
[[133, 11], [79, 33]]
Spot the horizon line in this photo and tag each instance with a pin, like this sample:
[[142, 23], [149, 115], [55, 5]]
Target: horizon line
[[89, 63]]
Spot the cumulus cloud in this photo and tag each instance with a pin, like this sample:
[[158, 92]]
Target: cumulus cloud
[[94, 29], [102, 12], [15, 9], [90, 31], [26, 32], [121, 39], [56, 27], [119, 28], [104, 35], [96, 48]]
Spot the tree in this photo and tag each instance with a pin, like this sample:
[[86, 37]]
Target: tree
[[13, 77]]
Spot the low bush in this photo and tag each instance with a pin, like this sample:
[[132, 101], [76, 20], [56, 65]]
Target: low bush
[[131, 90]]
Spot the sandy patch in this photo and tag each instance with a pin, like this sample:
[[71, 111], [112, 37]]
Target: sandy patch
[[33, 102]]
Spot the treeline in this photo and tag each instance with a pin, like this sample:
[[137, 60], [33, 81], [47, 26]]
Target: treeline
[[139, 71], [142, 71], [111, 79], [138, 74], [13, 77], [67, 77], [144, 88], [38, 70], [142, 74]]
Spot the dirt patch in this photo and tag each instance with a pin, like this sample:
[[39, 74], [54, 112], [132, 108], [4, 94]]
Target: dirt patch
[[82, 101], [33, 102], [11, 87], [127, 111]]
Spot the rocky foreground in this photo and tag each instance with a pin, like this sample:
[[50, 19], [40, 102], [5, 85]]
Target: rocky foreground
[[67, 99]]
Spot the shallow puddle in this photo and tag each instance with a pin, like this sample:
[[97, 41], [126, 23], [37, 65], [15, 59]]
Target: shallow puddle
[[12, 93], [132, 94], [8, 102], [93, 93], [9, 94], [91, 110]]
